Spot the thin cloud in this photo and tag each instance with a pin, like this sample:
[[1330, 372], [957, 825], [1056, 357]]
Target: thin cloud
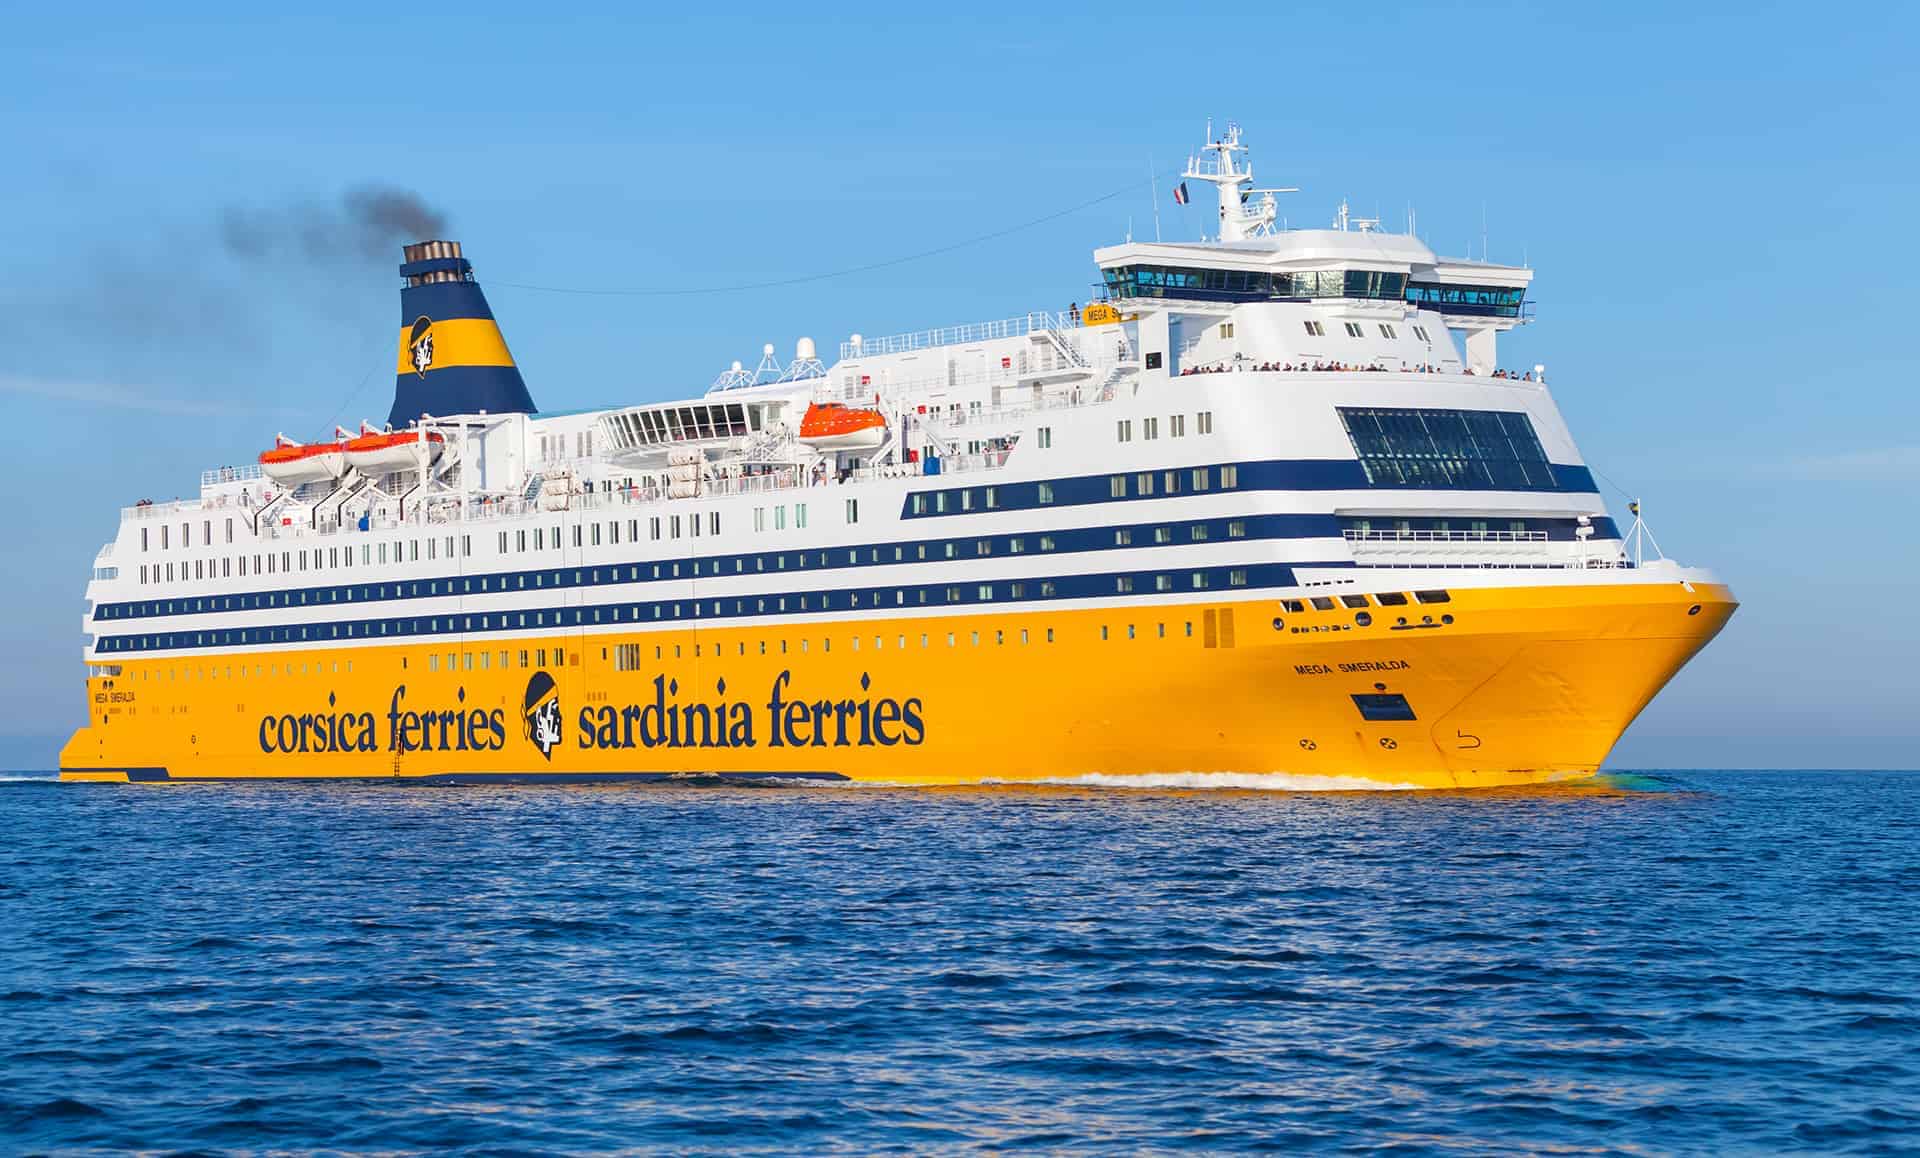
[[103, 395], [1876, 464]]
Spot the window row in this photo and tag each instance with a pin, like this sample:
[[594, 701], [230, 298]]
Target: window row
[[846, 599], [159, 536], [1072, 491], [1065, 541], [1176, 427]]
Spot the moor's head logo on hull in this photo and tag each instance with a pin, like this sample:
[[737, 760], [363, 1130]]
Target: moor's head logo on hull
[[541, 712], [420, 344]]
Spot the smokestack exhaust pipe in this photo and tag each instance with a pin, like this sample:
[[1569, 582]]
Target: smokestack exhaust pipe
[[452, 359]]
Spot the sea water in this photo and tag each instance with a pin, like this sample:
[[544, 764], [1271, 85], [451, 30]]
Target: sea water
[[1689, 961]]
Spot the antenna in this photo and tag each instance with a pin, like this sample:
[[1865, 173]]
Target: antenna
[[1483, 229], [1153, 178]]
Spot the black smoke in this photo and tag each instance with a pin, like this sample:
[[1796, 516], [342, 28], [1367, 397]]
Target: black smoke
[[366, 224]]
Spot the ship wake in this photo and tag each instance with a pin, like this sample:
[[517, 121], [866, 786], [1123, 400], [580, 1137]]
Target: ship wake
[[1217, 781]]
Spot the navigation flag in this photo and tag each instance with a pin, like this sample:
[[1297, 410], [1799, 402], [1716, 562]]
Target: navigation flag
[[1180, 193]]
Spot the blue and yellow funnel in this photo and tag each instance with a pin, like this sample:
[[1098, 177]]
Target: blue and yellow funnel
[[452, 357]]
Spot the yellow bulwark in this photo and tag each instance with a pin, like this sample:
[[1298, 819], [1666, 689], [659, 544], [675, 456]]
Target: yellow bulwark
[[1493, 686]]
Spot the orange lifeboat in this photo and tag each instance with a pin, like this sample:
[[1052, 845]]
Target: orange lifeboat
[[380, 453], [837, 426], [291, 463]]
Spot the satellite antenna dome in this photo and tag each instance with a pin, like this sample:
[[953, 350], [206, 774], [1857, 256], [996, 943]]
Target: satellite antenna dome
[[856, 339], [803, 350], [767, 350], [736, 365]]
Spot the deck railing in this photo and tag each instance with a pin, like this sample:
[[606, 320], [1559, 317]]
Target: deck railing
[[960, 335]]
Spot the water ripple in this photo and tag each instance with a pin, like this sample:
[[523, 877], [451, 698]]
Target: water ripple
[[1703, 962]]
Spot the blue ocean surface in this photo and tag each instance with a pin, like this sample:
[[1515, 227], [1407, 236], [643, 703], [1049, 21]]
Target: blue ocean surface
[[1689, 961]]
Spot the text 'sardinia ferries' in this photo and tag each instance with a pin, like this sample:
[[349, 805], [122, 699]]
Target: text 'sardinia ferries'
[[1268, 505]]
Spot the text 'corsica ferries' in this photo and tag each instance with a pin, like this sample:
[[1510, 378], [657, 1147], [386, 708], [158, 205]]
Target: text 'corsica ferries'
[[1267, 505]]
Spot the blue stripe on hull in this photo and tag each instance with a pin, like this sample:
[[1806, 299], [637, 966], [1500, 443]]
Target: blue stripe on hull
[[1306, 474], [692, 611], [1067, 542]]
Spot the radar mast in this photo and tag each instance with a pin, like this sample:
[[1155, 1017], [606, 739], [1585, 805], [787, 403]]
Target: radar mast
[[1244, 212]]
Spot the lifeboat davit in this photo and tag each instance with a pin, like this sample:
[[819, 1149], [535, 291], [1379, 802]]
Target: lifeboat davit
[[377, 453], [837, 426], [291, 463]]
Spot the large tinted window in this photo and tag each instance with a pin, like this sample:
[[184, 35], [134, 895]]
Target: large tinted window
[[1475, 449], [1482, 301], [1152, 281]]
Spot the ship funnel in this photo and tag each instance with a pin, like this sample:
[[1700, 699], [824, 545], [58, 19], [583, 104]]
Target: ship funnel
[[452, 357]]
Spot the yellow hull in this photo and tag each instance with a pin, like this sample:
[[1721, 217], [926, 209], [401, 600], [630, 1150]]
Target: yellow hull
[[1523, 685]]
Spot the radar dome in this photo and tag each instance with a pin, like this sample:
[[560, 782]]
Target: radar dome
[[803, 350]]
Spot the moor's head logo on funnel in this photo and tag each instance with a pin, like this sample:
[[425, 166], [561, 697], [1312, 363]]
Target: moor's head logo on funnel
[[420, 344], [541, 712]]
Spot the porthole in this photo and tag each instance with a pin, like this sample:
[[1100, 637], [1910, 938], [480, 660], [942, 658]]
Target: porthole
[[1279, 623], [1446, 619], [1364, 619], [1694, 610]]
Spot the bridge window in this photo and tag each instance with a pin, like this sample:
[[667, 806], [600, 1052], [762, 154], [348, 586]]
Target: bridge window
[[1153, 281], [1483, 301]]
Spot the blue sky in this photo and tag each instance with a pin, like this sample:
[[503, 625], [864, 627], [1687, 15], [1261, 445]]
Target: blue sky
[[1717, 198]]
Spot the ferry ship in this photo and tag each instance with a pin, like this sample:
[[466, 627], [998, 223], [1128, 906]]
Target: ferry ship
[[1267, 504]]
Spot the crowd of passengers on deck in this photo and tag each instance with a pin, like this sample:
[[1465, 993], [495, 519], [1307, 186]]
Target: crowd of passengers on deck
[[1351, 367]]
